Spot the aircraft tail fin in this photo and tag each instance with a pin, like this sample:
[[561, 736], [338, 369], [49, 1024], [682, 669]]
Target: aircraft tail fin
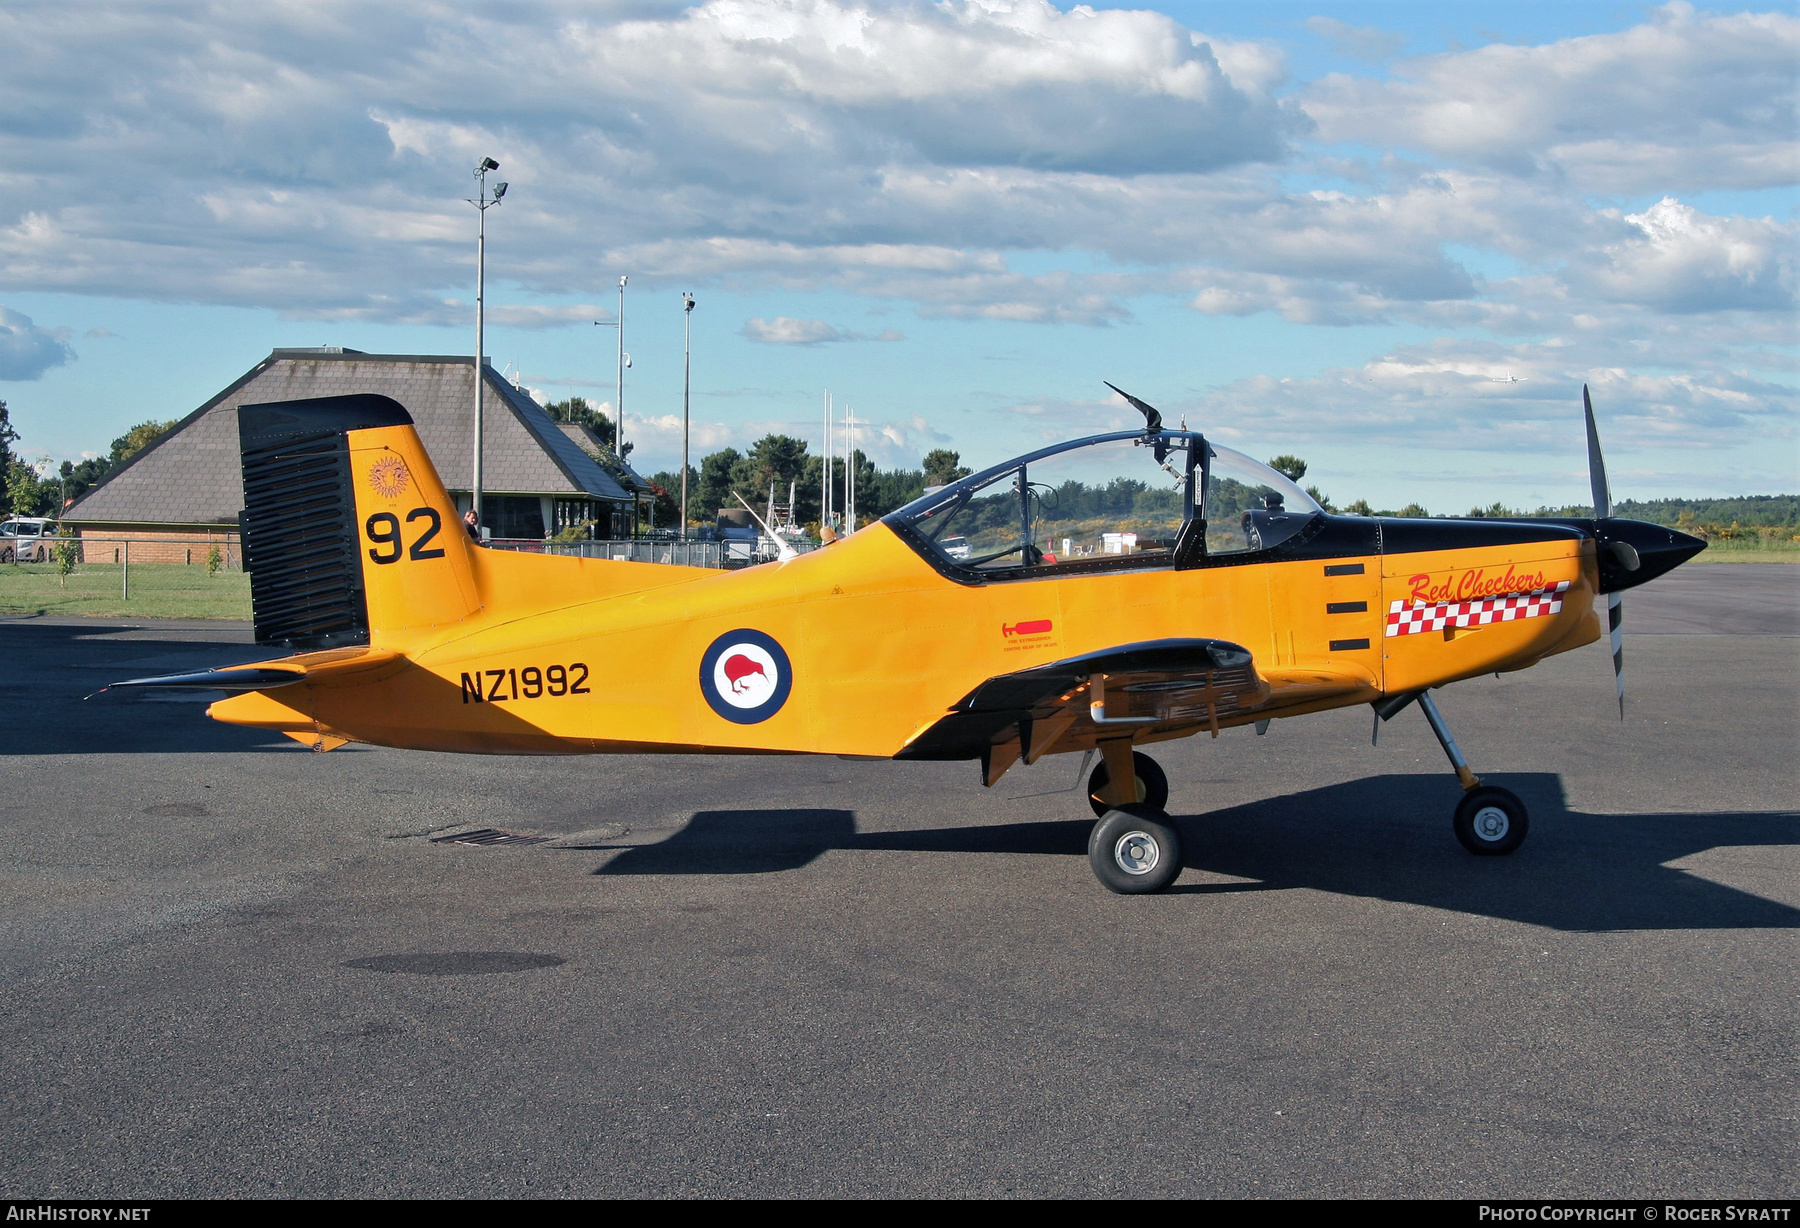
[[349, 535]]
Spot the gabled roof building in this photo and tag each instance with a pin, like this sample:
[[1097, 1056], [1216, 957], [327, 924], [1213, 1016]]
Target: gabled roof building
[[538, 476]]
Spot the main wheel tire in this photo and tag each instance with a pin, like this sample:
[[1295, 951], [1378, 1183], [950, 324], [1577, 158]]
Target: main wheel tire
[[1135, 850], [1152, 784], [1491, 821], [6, 555]]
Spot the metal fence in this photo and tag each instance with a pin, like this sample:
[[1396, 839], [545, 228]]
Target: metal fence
[[118, 552], [728, 553]]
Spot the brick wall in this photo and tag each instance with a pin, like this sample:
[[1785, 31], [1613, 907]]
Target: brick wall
[[189, 546]]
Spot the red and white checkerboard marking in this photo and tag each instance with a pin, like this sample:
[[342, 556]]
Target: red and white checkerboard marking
[[1403, 619]]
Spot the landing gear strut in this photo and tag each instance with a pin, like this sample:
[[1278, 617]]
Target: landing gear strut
[[1151, 785], [1489, 820]]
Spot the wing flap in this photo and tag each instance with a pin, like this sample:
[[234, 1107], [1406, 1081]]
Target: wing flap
[[1157, 685]]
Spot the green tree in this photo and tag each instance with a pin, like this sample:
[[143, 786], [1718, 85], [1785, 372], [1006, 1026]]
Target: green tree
[[1413, 510], [1321, 498], [578, 411], [140, 437], [1359, 508], [26, 494], [713, 489], [66, 554], [8, 437], [1290, 467], [79, 478], [777, 459], [943, 467]]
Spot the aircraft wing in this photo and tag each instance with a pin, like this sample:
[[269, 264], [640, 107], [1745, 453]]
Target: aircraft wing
[[1155, 689], [1156, 684]]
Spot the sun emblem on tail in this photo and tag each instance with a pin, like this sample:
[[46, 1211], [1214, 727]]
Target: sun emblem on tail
[[388, 477]]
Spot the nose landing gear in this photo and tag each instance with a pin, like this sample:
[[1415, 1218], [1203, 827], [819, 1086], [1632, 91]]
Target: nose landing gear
[[1489, 821]]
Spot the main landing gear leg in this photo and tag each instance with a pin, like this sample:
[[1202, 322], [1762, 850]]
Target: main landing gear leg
[[1133, 849], [1489, 820]]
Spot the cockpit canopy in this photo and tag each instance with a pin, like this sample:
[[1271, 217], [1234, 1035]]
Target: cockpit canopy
[[1111, 501]]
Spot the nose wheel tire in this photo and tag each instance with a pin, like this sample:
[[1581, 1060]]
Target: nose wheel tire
[[1135, 850], [1491, 821], [1152, 785]]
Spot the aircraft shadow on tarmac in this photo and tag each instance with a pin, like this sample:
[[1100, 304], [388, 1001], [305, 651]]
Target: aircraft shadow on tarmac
[[1382, 837], [56, 666]]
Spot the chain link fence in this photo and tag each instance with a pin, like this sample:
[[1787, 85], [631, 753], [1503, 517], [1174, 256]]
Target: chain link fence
[[728, 553]]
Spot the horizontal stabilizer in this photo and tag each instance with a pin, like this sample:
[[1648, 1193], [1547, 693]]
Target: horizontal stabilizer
[[242, 678], [329, 665]]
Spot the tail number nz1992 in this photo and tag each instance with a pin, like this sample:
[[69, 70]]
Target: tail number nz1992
[[383, 529], [488, 685]]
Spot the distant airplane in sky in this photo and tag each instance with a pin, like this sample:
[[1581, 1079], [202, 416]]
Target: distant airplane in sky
[[1508, 378]]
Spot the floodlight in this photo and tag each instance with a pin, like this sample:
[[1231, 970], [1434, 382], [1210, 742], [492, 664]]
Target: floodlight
[[499, 190], [487, 164]]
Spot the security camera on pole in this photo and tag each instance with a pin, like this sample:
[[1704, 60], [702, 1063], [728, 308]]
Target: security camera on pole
[[687, 354], [624, 360], [619, 388], [483, 201]]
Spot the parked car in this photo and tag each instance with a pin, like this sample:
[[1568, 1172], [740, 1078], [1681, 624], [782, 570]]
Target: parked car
[[21, 539]]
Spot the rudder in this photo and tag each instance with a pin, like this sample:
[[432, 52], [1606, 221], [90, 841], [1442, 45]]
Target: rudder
[[349, 535]]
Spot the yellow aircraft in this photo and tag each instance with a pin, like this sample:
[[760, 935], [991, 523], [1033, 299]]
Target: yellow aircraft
[[1095, 596]]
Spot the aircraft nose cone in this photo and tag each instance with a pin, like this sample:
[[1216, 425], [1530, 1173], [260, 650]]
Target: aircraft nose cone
[[1654, 548]]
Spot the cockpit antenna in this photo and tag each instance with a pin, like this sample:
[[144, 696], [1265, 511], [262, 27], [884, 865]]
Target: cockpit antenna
[[1152, 418]]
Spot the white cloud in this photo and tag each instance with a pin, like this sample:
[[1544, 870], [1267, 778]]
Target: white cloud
[[944, 158], [660, 435], [1681, 102], [784, 330], [313, 161], [27, 351], [1442, 395], [1676, 259], [1360, 42]]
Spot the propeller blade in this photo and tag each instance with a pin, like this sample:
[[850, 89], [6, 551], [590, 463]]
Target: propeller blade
[[1615, 608], [1596, 462], [1615, 621]]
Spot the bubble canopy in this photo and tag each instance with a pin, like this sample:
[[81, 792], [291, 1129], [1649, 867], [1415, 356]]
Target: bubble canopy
[[1126, 500]]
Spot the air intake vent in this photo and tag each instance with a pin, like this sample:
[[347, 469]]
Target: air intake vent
[[300, 541]]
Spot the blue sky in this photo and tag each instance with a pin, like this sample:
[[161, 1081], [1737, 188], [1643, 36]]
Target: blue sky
[[1312, 228]]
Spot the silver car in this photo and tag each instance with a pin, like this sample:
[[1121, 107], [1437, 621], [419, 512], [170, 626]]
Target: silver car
[[21, 539]]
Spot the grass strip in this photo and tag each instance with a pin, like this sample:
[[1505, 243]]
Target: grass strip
[[158, 590]]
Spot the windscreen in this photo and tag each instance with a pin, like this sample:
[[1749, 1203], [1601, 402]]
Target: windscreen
[[1250, 506], [1115, 497]]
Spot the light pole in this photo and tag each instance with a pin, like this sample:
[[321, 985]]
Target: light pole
[[687, 373], [619, 394], [619, 389], [482, 202]]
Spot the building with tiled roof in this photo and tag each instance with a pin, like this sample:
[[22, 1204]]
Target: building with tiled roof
[[186, 489]]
